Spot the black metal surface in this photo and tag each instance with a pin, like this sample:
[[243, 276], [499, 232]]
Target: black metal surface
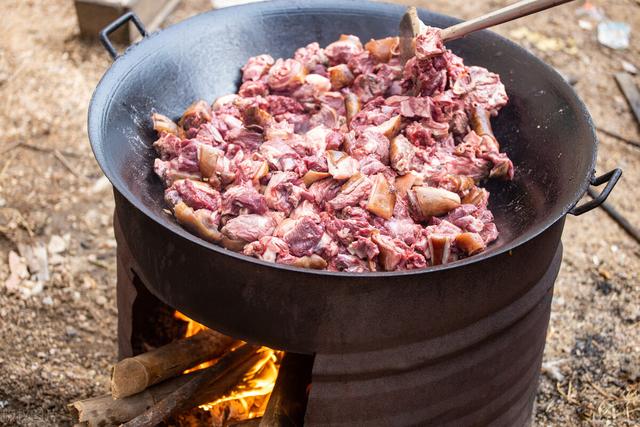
[[483, 374], [611, 178], [545, 129], [104, 34], [480, 369], [307, 313]]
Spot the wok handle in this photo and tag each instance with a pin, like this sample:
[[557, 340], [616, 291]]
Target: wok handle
[[104, 34], [611, 178]]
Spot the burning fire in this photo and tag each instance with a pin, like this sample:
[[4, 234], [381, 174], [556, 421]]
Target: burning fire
[[248, 399]]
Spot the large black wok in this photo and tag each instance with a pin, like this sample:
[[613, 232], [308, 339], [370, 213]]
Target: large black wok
[[545, 129]]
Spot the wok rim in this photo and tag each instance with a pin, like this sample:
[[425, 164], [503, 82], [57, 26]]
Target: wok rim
[[102, 99]]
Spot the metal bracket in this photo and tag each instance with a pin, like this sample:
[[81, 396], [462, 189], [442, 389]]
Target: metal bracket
[[611, 178], [104, 34]]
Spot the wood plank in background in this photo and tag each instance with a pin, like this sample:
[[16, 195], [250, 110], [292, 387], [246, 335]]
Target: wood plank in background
[[94, 15], [630, 91]]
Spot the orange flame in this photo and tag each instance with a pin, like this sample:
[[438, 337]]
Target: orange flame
[[248, 399], [193, 328]]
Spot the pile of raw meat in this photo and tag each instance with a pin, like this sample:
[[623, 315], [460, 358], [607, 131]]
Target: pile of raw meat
[[341, 158]]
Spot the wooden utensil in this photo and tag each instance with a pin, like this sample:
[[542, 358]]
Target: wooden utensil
[[411, 25]]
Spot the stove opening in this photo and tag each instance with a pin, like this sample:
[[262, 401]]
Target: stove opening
[[249, 397], [173, 370]]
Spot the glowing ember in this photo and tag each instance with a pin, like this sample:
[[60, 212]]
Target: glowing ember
[[248, 399]]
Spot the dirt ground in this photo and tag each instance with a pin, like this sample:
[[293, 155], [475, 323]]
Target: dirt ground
[[58, 319]]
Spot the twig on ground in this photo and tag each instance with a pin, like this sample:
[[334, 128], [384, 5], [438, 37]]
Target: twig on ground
[[99, 263], [631, 93], [66, 163], [618, 137], [35, 147], [602, 392], [617, 217], [10, 147], [629, 400], [567, 395], [6, 164], [24, 224]]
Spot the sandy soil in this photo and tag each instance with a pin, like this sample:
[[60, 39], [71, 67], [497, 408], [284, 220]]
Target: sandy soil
[[57, 334]]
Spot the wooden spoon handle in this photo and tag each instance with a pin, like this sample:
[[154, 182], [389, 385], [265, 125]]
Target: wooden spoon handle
[[509, 13]]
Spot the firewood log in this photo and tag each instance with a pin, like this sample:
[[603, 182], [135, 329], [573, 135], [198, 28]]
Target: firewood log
[[253, 422], [107, 411], [288, 400], [169, 397], [134, 374], [212, 384]]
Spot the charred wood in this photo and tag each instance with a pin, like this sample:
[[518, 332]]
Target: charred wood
[[208, 385], [288, 401]]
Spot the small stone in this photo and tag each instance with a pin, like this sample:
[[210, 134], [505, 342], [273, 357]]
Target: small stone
[[37, 288], [29, 288], [57, 245], [56, 259], [604, 287], [71, 331], [101, 185], [101, 300], [88, 282], [35, 257], [47, 301], [604, 273], [585, 25], [629, 67], [17, 265], [41, 355], [92, 218], [12, 283], [552, 371], [39, 263]]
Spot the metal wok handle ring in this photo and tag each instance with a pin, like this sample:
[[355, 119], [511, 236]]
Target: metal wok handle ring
[[104, 34], [611, 178]]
